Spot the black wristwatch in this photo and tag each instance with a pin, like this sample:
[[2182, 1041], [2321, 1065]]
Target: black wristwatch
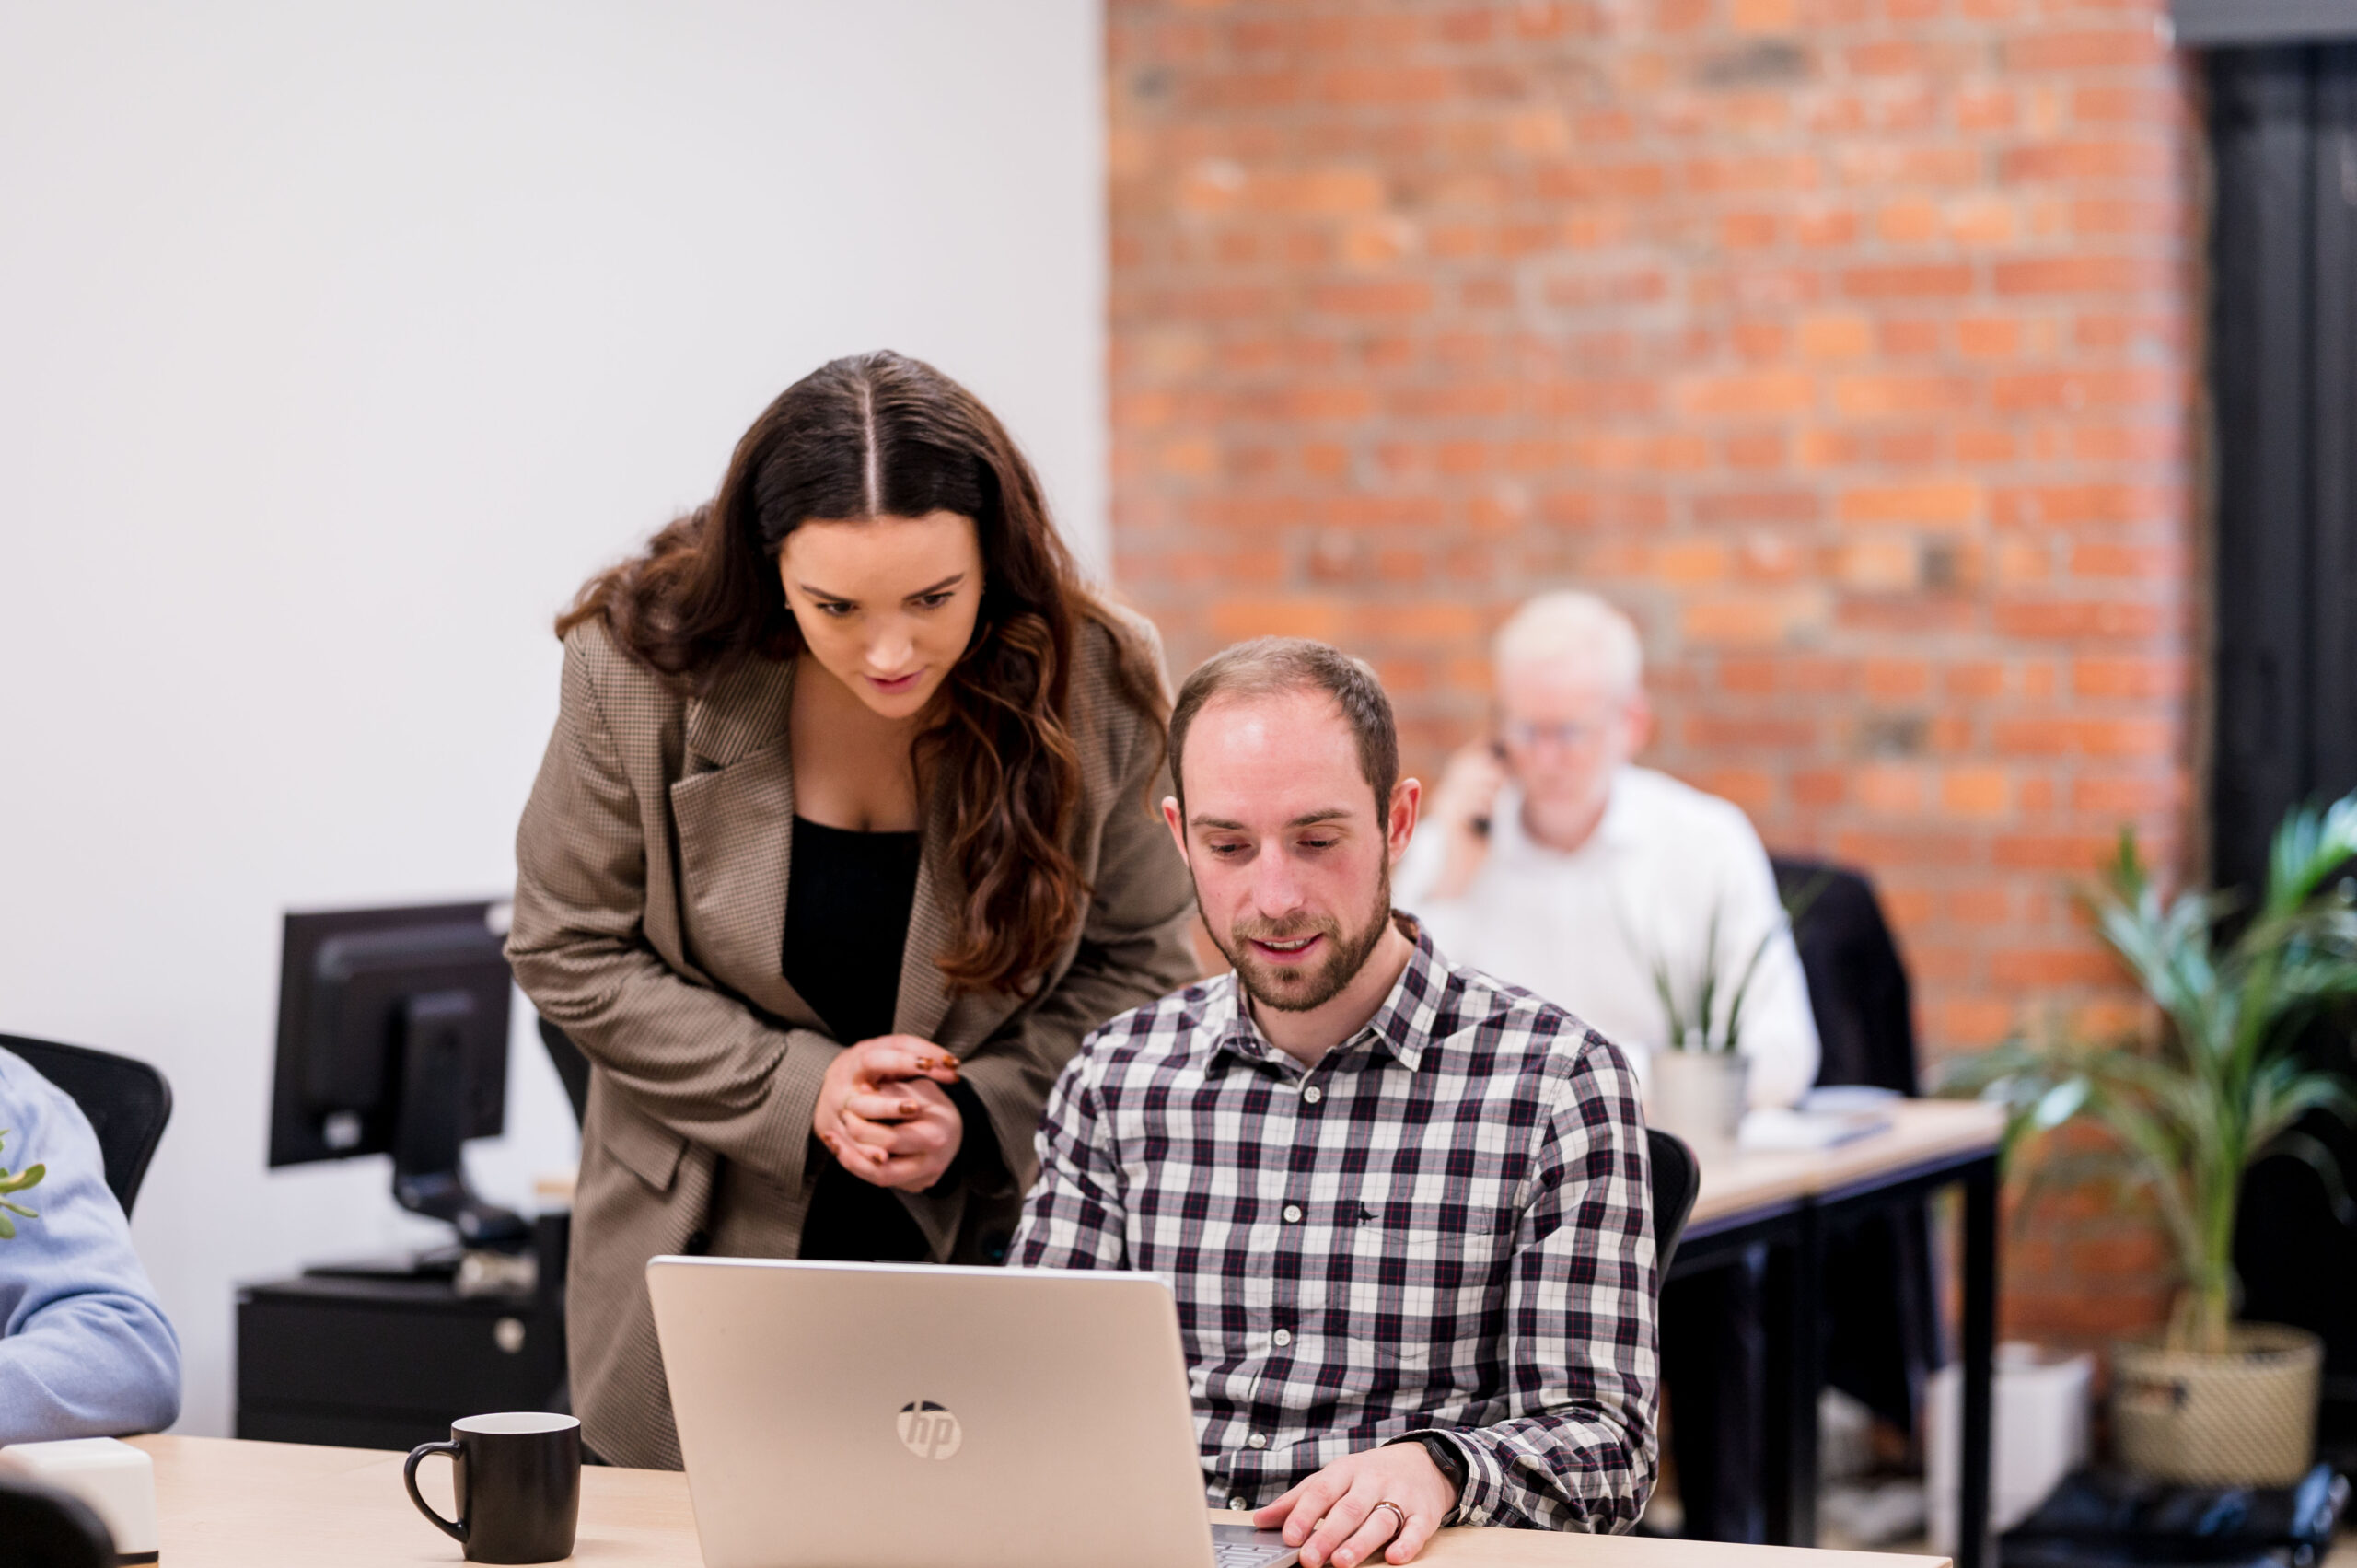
[[1448, 1458]]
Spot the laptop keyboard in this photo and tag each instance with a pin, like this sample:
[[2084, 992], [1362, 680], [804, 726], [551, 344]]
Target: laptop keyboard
[[1247, 1554], [1241, 1546]]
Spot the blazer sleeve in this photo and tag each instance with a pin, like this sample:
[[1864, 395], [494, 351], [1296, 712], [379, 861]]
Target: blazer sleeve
[[692, 1058], [1134, 946]]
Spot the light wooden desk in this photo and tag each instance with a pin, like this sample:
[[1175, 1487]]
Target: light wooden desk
[[226, 1503], [1923, 1132], [1785, 1201]]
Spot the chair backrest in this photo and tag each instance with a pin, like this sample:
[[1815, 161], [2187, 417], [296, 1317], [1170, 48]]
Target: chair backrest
[[1677, 1177], [128, 1103], [1857, 981], [41, 1528]]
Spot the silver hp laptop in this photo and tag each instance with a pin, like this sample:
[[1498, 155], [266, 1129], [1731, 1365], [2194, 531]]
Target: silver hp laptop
[[854, 1415]]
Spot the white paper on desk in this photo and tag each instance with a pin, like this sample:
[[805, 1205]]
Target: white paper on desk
[[1774, 1131]]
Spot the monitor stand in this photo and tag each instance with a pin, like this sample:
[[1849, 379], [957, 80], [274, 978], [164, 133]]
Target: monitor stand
[[429, 1178]]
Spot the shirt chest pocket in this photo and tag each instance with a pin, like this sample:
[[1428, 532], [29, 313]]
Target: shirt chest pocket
[[1428, 1258], [1424, 1285]]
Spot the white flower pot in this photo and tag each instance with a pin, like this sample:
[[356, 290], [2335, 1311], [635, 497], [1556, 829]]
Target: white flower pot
[[1699, 1095]]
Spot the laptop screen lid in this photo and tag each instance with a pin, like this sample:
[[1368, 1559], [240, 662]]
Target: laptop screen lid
[[845, 1415]]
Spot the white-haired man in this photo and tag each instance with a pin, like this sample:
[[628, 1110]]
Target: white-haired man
[[1556, 864], [1553, 862]]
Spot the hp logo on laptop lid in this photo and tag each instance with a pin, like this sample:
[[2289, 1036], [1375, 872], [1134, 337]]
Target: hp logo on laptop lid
[[929, 1431]]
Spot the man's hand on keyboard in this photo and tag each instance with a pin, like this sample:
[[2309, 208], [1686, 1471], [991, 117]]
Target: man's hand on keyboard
[[1337, 1515]]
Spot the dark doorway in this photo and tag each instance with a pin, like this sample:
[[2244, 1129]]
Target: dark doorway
[[2283, 133], [2283, 254]]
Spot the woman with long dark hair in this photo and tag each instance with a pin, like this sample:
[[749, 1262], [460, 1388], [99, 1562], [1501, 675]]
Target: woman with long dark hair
[[842, 843]]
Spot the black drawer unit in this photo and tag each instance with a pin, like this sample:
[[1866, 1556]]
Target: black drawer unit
[[390, 1363]]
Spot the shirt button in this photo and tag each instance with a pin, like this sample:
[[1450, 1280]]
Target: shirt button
[[1313, 1094], [1283, 1336], [1258, 1440], [1237, 1505], [1293, 1214]]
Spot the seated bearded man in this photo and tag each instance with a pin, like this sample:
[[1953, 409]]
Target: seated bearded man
[[1404, 1207]]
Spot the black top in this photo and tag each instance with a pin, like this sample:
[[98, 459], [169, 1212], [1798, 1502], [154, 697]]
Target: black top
[[847, 908]]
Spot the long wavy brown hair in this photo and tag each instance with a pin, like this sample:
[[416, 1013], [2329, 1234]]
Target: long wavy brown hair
[[881, 434]]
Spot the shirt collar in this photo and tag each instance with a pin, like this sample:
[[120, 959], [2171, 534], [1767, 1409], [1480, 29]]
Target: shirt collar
[[1402, 1026], [1621, 825], [1622, 822]]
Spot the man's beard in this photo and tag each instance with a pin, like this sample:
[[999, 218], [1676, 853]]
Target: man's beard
[[1304, 990]]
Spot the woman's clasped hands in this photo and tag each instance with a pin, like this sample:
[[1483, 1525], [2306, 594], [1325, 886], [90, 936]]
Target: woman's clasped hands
[[885, 1113]]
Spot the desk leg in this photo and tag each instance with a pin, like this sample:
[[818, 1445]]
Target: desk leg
[[1796, 1367], [1979, 1348]]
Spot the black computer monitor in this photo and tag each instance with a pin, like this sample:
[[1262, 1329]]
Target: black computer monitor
[[392, 1039]]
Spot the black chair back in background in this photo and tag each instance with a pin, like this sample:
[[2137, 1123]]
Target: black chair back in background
[[127, 1102], [1677, 1177], [1881, 1323], [43, 1527]]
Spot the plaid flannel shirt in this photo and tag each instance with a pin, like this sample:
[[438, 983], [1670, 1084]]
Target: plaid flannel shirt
[[1443, 1226]]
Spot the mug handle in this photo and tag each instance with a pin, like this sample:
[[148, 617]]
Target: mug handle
[[409, 1478]]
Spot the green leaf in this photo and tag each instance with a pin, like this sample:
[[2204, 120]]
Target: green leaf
[[2058, 1104]]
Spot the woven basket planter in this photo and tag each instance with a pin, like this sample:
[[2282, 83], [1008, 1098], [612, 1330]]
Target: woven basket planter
[[2247, 1418]]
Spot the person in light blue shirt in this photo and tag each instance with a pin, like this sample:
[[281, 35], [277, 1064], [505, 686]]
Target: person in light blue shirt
[[85, 1351]]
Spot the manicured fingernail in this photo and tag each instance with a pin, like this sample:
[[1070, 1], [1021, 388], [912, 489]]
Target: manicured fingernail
[[910, 1108]]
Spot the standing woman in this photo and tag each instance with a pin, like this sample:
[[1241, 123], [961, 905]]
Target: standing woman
[[842, 843]]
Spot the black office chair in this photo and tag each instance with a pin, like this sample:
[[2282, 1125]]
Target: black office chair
[[1881, 1324], [41, 1528], [128, 1103], [1676, 1179]]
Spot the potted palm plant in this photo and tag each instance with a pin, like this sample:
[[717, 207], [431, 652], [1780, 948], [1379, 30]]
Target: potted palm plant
[[2208, 1399]]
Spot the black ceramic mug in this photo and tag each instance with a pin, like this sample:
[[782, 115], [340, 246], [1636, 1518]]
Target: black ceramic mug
[[517, 1476]]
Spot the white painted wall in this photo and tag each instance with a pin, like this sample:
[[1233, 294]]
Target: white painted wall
[[337, 345]]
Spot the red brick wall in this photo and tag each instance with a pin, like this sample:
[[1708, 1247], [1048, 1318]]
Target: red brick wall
[[1850, 344]]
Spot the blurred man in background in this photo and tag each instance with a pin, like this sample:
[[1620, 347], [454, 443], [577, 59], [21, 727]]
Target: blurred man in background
[[1556, 864], [1553, 862]]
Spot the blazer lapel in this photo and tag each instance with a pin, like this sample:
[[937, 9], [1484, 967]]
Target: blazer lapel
[[925, 1008], [734, 808]]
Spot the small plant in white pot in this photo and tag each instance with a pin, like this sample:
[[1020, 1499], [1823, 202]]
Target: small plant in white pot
[[2210, 1399], [1700, 1083]]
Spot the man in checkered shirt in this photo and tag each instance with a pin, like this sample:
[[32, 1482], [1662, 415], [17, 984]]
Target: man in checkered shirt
[[1404, 1206]]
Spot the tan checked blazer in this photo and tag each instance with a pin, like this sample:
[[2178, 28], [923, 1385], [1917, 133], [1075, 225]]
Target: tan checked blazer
[[650, 922]]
